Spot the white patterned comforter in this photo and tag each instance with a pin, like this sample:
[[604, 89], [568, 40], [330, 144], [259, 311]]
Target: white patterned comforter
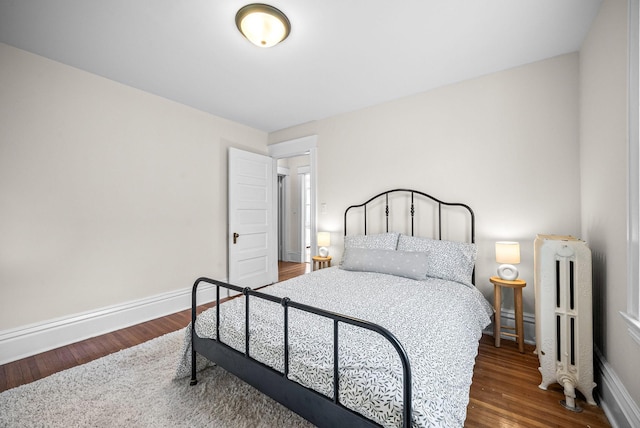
[[438, 322]]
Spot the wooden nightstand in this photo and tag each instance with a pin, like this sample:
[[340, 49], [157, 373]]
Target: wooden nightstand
[[322, 262], [517, 286]]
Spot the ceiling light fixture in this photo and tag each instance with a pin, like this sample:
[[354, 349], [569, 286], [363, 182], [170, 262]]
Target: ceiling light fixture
[[263, 25]]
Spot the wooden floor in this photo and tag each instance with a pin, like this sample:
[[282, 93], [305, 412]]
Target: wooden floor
[[504, 392], [287, 270]]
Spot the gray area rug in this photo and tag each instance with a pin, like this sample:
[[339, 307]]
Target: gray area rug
[[136, 388]]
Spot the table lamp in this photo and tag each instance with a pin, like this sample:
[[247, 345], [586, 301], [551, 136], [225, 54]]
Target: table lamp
[[508, 253], [324, 240]]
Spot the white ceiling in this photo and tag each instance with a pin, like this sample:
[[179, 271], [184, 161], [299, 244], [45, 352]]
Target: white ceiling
[[341, 55]]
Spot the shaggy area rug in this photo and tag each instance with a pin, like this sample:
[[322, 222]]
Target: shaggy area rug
[[136, 388]]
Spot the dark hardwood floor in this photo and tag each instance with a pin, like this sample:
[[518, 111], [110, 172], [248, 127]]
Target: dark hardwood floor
[[504, 392], [288, 270]]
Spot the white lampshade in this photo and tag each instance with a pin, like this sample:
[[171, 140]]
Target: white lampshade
[[324, 240], [263, 25], [508, 253]]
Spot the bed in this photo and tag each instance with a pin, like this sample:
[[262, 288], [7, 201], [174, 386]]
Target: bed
[[387, 338]]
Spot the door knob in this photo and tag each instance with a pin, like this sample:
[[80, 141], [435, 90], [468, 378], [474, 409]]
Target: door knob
[[235, 237]]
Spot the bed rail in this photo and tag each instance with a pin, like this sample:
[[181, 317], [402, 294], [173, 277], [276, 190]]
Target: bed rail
[[304, 401]]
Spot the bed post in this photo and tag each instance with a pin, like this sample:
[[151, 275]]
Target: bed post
[[194, 379]]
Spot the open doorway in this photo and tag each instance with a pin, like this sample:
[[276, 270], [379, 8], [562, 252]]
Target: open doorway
[[304, 148], [294, 209]]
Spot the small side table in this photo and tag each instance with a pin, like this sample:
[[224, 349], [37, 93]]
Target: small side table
[[322, 262], [517, 286]]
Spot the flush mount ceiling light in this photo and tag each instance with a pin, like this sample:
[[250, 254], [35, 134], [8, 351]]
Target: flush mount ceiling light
[[262, 25]]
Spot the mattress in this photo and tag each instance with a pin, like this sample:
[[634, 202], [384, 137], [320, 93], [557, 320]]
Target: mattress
[[438, 322]]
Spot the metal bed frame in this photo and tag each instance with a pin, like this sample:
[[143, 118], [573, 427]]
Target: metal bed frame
[[412, 212], [318, 409]]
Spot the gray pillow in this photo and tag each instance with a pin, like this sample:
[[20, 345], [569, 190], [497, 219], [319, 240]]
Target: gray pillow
[[381, 241], [453, 261], [407, 264]]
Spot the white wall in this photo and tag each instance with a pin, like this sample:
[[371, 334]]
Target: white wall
[[107, 194], [506, 144], [603, 157]]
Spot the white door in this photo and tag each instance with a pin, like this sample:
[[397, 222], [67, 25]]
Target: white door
[[252, 229]]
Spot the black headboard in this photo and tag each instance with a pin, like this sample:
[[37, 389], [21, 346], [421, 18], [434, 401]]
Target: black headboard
[[413, 194]]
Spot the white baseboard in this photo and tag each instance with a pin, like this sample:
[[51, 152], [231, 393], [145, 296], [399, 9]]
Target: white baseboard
[[615, 400], [33, 339]]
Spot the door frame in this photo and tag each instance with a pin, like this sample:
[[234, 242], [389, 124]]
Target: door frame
[[281, 214], [302, 172], [299, 147]]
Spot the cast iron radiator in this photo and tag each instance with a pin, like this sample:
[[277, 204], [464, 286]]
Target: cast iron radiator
[[564, 329]]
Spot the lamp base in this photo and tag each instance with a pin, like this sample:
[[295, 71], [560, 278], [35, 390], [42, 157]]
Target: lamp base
[[323, 251], [508, 272]]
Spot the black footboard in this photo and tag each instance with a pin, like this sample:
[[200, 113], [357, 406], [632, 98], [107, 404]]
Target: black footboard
[[318, 409]]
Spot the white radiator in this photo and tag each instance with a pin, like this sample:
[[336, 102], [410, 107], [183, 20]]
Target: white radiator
[[564, 328]]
